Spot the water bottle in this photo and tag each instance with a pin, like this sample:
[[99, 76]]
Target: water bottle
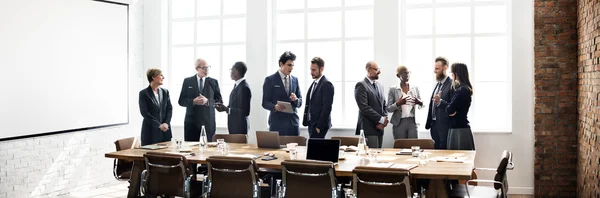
[[203, 140], [362, 143]]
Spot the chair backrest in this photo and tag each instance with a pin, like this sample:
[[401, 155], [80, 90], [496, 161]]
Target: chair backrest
[[505, 164], [407, 143], [301, 140], [166, 174], [232, 177], [381, 182], [308, 178], [347, 140], [232, 138], [122, 168]]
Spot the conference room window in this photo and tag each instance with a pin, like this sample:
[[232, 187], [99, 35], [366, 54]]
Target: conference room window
[[475, 32], [340, 32], [214, 30]]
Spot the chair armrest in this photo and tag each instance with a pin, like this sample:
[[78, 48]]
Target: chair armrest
[[510, 166], [485, 169], [187, 186], [115, 169], [144, 181], [484, 181]]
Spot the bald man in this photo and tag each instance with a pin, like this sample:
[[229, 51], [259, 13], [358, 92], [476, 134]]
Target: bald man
[[199, 94]]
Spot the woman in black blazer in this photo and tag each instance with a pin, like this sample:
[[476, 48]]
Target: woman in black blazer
[[460, 136], [155, 106]]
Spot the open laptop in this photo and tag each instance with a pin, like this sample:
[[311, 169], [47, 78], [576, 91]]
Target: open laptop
[[323, 150], [268, 139]]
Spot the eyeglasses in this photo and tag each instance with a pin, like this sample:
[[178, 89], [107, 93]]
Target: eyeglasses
[[204, 68], [376, 69], [407, 73]]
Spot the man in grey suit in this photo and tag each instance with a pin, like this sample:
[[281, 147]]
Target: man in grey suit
[[238, 109], [372, 116], [199, 94], [437, 118]]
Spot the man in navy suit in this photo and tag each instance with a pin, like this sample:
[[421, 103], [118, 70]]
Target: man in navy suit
[[437, 117], [283, 87], [199, 94], [317, 113], [238, 109]]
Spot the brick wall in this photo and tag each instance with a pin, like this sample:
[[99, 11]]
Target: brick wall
[[588, 179], [555, 117], [51, 166]]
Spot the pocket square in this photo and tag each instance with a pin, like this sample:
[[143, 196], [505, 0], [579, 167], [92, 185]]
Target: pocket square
[[190, 87], [277, 86]]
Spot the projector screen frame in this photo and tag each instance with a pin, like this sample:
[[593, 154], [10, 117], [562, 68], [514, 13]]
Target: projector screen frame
[[92, 127]]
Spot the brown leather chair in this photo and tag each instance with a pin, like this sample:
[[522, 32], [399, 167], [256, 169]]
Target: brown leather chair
[[381, 182], [500, 181], [166, 175], [122, 168], [232, 138], [301, 140], [347, 140], [232, 177], [309, 178], [407, 143]]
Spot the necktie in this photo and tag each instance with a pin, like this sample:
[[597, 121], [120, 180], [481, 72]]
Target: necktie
[[200, 87], [286, 83], [314, 85], [434, 106], [376, 90]]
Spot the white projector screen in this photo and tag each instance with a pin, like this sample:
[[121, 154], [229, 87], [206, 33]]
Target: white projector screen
[[64, 66]]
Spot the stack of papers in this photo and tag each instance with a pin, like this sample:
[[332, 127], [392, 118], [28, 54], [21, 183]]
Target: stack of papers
[[451, 159], [392, 165], [153, 147], [244, 155]]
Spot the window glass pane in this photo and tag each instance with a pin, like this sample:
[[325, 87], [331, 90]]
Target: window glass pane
[[453, 20], [232, 54], [289, 4], [226, 88], [490, 107], [182, 64], [324, 25], [182, 8], [337, 119], [234, 7], [411, 2], [290, 26], [209, 8], [491, 60], [419, 21], [208, 31], [182, 32], [419, 59], [300, 68], [359, 23], [178, 111], [212, 55], [358, 53], [234, 30], [425, 90], [454, 49], [358, 2], [350, 108], [331, 53], [490, 19], [323, 4]]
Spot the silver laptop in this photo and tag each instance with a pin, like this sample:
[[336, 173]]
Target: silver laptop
[[268, 139]]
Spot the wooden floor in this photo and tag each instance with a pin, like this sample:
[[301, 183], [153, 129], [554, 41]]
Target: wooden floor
[[120, 191]]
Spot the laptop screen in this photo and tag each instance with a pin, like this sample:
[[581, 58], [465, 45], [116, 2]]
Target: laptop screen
[[323, 150]]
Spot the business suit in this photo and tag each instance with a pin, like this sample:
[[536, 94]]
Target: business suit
[[317, 112], [371, 107], [198, 115], [287, 124], [439, 127], [403, 127], [155, 111], [239, 108]]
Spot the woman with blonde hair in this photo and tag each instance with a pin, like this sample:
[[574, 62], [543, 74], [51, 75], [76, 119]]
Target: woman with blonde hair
[[402, 100], [460, 136], [155, 107]]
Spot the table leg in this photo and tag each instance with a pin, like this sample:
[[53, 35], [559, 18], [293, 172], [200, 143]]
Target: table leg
[[437, 189], [135, 179]]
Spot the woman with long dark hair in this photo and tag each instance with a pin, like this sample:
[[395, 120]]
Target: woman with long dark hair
[[460, 136]]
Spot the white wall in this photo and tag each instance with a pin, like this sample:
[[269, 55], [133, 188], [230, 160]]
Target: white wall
[[489, 145], [50, 166]]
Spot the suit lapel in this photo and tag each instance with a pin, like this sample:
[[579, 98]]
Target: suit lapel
[[372, 90], [195, 84], [152, 97]]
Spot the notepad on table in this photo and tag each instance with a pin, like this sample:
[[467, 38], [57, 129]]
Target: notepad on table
[[153, 147]]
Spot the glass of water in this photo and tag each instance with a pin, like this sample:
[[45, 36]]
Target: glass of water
[[372, 156], [220, 143], [423, 157], [293, 153]]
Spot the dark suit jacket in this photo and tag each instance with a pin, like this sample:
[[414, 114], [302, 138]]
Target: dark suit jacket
[[155, 114], [370, 107], [273, 90], [319, 105], [239, 109], [200, 114], [441, 114]]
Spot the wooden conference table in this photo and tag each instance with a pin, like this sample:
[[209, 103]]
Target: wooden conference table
[[437, 171]]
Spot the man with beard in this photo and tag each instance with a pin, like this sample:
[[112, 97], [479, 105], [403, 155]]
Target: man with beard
[[372, 116], [317, 113], [437, 118]]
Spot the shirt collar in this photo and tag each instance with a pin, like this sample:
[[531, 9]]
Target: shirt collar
[[370, 81], [237, 82], [281, 74], [444, 80], [318, 79], [198, 77]]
